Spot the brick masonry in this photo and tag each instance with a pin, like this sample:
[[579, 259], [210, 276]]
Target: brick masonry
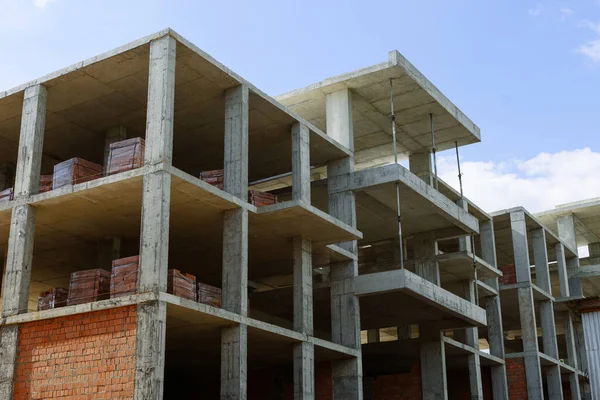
[[517, 382], [84, 356], [509, 274]]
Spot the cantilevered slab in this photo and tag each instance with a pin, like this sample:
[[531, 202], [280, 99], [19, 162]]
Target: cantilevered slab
[[503, 233], [423, 208], [587, 219], [415, 98], [415, 300]]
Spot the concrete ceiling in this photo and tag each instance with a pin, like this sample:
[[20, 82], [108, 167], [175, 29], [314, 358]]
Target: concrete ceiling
[[587, 219], [415, 97]]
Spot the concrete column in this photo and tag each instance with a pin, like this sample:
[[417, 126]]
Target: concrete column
[[234, 340], [236, 142], [304, 352], [31, 142], [553, 378], [426, 250], [494, 312], [567, 233], [301, 163], [433, 367], [154, 237], [591, 332], [594, 250], [345, 312], [113, 135], [472, 339], [540, 257], [570, 339], [9, 344], [561, 265], [520, 246], [420, 165]]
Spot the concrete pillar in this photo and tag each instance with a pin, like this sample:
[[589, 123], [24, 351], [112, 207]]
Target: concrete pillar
[[540, 258], [113, 135], [234, 340], [345, 312], [494, 312], [472, 339], [304, 352], [520, 246], [154, 237], [570, 339], [236, 142], [561, 265], [591, 332], [301, 163], [31, 142], [594, 250], [426, 250], [567, 233], [420, 165], [433, 366], [553, 378], [373, 336], [9, 344]]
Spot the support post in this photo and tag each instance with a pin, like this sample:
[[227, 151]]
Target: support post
[[533, 368], [420, 165], [426, 265], [234, 339], [304, 352], [345, 313], [566, 232], [573, 361], [154, 240], [434, 385], [301, 163], [561, 265]]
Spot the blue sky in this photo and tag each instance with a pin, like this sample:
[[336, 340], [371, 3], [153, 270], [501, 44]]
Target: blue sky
[[526, 72]]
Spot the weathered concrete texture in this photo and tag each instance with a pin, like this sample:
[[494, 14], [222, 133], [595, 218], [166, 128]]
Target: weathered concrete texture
[[561, 265], [9, 340], [566, 232], [161, 101], [154, 240], [303, 286], [31, 142], [540, 257], [235, 261], [301, 163], [572, 356], [19, 261], [594, 251], [520, 246], [236, 141], [433, 370], [150, 350], [304, 371], [234, 369], [347, 379], [340, 121], [426, 266], [420, 165]]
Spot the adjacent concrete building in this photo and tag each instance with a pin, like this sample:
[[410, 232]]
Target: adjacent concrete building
[[367, 280]]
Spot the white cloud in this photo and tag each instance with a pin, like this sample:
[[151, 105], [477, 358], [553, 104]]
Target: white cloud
[[538, 184], [591, 49], [43, 3], [566, 12], [537, 10]]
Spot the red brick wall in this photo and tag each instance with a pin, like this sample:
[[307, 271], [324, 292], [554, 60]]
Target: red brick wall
[[398, 386], [509, 274], [89, 356], [517, 383]]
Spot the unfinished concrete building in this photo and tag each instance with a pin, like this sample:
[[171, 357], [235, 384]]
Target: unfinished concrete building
[[365, 280]]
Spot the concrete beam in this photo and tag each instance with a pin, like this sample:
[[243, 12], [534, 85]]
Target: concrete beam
[[301, 163], [236, 141], [540, 258], [31, 141]]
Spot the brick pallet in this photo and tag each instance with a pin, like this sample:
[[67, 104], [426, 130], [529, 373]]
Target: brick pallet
[[215, 177], [6, 195], [46, 183], [126, 155], [182, 285], [259, 199], [124, 276], [88, 286], [509, 274], [208, 294], [53, 298], [74, 171]]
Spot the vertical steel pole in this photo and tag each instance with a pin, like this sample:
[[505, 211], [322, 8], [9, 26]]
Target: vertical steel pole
[[459, 173], [397, 184], [433, 151]]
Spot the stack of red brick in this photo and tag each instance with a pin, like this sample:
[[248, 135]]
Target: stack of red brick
[[74, 171], [126, 155], [509, 274], [53, 298], [89, 285], [124, 276], [260, 199], [181, 285], [215, 177], [45, 183]]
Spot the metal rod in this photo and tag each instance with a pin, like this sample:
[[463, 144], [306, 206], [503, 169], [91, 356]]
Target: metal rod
[[459, 173], [397, 184], [433, 151], [474, 269]]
